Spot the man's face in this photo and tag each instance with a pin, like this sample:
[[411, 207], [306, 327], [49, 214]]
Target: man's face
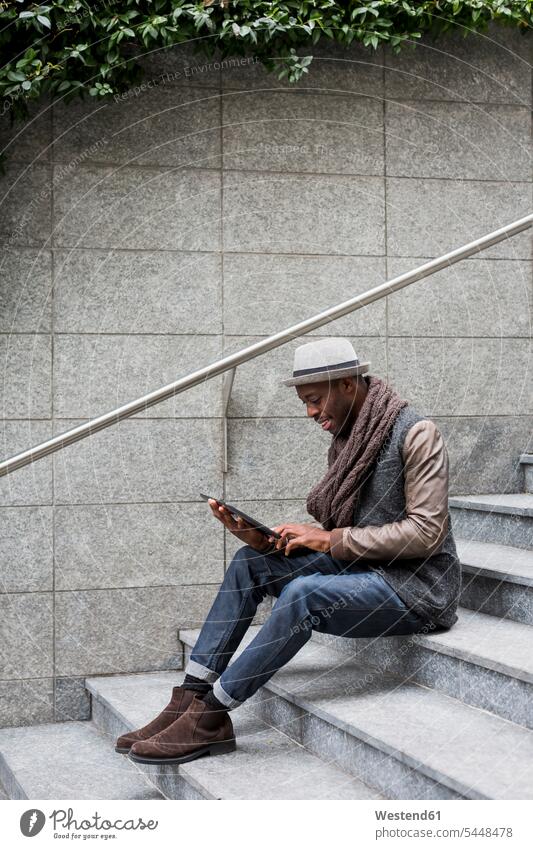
[[331, 404]]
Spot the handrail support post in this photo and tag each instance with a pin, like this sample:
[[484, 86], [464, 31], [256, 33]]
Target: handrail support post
[[227, 384]]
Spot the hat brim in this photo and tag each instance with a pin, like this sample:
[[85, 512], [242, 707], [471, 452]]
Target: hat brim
[[321, 376]]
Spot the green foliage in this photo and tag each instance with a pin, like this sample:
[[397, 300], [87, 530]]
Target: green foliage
[[81, 47]]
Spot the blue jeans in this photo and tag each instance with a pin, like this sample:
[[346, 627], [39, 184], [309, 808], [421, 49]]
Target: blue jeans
[[314, 591]]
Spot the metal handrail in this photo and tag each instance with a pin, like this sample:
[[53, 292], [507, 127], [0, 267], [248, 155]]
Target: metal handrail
[[252, 351]]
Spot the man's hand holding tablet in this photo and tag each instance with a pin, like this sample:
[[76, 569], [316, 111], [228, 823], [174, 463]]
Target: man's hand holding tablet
[[247, 533], [284, 538]]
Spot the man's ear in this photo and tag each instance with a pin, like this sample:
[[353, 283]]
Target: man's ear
[[348, 385]]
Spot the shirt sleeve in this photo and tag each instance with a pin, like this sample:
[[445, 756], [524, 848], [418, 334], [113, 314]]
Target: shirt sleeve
[[421, 532]]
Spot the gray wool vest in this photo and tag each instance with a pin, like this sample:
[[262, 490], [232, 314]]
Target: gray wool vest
[[429, 585]]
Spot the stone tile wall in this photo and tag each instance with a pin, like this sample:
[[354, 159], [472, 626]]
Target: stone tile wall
[[145, 237]]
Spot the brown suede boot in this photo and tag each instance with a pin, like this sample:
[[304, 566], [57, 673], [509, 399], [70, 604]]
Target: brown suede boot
[[180, 701], [200, 730]]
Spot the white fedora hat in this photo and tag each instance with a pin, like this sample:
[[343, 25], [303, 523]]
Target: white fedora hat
[[325, 359]]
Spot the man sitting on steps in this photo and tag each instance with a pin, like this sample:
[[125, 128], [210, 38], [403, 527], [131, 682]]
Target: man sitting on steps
[[381, 562]]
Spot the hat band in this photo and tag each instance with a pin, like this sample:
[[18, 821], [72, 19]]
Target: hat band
[[316, 369]]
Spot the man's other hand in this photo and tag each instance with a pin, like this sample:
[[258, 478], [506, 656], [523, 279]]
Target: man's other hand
[[239, 527], [294, 535]]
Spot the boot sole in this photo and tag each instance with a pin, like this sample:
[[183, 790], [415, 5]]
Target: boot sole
[[213, 749], [123, 751]]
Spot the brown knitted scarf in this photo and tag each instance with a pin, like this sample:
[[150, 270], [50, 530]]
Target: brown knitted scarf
[[332, 500]]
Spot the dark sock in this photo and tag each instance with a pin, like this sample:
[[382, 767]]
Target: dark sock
[[192, 683], [212, 702]]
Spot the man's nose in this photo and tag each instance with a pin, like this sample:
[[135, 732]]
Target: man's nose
[[313, 411]]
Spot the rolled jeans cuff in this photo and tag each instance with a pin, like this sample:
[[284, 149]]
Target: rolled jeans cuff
[[227, 700], [202, 672]]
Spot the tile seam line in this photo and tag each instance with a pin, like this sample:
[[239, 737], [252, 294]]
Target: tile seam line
[[262, 335], [73, 250], [213, 253], [385, 227], [336, 174], [52, 389], [258, 499], [326, 92], [270, 172], [79, 504], [106, 589], [302, 418], [116, 168]]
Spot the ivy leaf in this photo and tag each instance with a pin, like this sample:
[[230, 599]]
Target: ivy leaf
[[44, 21]]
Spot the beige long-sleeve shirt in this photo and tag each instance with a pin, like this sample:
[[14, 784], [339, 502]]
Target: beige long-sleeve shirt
[[425, 525]]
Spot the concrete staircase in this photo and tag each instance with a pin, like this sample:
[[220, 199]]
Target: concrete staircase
[[441, 716], [76, 760]]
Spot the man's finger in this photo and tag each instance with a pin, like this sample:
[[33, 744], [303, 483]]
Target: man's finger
[[216, 514], [294, 542], [226, 518], [281, 543], [230, 519], [216, 510], [284, 529]]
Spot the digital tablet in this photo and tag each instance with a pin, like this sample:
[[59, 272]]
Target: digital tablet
[[236, 512]]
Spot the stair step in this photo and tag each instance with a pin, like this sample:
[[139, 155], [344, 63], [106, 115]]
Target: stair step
[[67, 760], [503, 518], [487, 641], [497, 579], [266, 764], [409, 741], [492, 560], [482, 661], [514, 503]]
